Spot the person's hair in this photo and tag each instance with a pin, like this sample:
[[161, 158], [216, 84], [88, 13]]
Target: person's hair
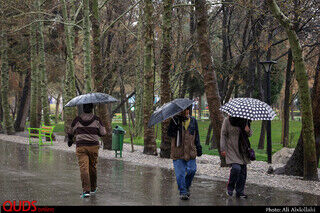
[[87, 108], [188, 108], [240, 122]]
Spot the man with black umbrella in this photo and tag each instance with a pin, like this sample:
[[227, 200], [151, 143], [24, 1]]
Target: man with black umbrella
[[86, 129], [185, 147]]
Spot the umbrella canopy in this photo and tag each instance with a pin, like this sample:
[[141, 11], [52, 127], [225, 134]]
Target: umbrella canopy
[[93, 98], [168, 110], [248, 108]]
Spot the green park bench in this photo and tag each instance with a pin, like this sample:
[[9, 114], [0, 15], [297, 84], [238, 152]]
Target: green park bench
[[44, 131]]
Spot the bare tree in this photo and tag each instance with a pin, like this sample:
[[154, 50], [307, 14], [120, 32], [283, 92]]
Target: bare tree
[[310, 162], [150, 147], [210, 81], [165, 69]]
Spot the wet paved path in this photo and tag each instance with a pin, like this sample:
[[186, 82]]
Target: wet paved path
[[52, 177]]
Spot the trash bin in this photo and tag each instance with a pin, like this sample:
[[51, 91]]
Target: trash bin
[[117, 140]]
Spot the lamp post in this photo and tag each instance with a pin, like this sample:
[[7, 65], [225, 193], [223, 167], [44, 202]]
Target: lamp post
[[267, 68]]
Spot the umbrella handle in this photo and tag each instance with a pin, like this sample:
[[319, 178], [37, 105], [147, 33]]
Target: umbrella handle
[[174, 121]]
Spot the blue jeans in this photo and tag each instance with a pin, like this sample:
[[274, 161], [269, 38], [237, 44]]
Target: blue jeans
[[185, 171], [237, 179]]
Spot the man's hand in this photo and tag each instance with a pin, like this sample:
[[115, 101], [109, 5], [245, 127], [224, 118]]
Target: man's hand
[[223, 154], [70, 140], [199, 152]]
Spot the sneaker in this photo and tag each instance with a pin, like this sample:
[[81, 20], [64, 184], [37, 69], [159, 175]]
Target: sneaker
[[244, 196], [229, 193], [85, 195], [184, 197], [188, 193], [93, 191]]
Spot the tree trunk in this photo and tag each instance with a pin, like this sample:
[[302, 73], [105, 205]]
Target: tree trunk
[[316, 106], [86, 47], [39, 92], [286, 104], [150, 146], [263, 93], [251, 73], [34, 74], [225, 46], [1, 115], [24, 105], [295, 165], [177, 69], [43, 72], [209, 134], [310, 162], [57, 109], [122, 81], [139, 79], [210, 81], [165, 77], [99, 74], [7, 119], [123, 107], [262, 135], [122, 94], [69, 113], [130, 121]]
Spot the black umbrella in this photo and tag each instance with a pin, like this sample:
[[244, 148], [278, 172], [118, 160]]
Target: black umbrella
[[248, 108], [168, 110], [93, 98]]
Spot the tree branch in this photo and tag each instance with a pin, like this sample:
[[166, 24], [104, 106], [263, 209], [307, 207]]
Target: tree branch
[[21, 28], [117, 19]]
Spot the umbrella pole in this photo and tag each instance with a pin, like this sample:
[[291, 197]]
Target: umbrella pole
[[174, 121], [178, 138], [157, 131]]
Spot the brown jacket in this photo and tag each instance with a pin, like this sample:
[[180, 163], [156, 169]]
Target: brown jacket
[[229, 142], [187, 149], [87, 129]]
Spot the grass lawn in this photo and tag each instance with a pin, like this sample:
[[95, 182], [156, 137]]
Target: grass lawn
[[295, 128]]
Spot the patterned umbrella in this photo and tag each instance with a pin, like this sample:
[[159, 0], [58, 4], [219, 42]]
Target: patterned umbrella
[[93, 98], [248, 108], [168, 110]]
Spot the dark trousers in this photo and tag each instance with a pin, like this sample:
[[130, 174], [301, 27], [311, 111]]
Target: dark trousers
[[237, 179]]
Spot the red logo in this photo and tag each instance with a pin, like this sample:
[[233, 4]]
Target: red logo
[[22, 206]]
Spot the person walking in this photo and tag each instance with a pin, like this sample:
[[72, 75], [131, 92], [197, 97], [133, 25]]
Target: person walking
[[85, 131], [234, 146], [185, 147]]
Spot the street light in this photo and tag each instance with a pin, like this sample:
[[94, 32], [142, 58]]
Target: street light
[[267, 68]]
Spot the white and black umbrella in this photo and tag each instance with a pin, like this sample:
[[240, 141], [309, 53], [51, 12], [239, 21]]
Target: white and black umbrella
[[168, 110], [93, 98], [248, 108]]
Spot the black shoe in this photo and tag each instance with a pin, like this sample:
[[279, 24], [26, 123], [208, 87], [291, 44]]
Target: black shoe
[[184, 197], [188, 192], [244, 196], [229, 193]]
